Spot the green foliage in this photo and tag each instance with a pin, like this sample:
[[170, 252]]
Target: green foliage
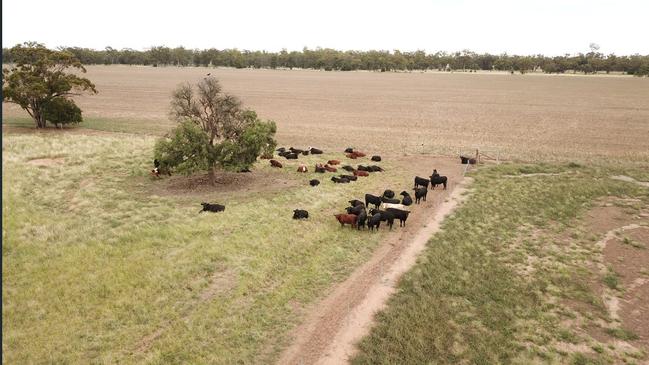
[[622, 334], [38, 77], [186, 151], [611, 280], [62, 111], [331, 59], [256, 139]]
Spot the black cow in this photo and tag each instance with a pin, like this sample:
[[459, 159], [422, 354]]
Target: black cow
[[391, 201], [364, 168], [407, 199], [281, 150], [339, 180], [419, 194], [300, 214], [348, 168], [375, 168], [349, 149], [386, 216], [376, 158], [360, 221], [296, 150], [214, 208], [437, 179], [349, 177], [355, 202], [315, 151], [399, 214], [420, 181], [355, 210], [371, 199], [374, 221], [305, 153], [314, 182], [290, 156], [320, 169], [388, 194]]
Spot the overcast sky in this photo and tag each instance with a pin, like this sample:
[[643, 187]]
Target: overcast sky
[[551, 27]]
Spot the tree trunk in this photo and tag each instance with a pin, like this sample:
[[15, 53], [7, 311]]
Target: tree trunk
[[38, 116], [212, 175]]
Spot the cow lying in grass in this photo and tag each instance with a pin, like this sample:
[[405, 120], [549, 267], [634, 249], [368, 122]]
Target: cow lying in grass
[[214, 208], [314, 182], [407, 199], [300, 214]]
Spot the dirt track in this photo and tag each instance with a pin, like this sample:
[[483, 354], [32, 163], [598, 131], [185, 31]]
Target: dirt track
[[333, 325]]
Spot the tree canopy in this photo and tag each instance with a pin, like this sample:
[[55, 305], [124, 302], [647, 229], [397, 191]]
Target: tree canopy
[[377, 60], [39, 81], [215, 131]]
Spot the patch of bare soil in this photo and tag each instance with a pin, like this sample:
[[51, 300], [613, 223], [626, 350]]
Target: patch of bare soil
[[259, 180], [46, 162], [334, 325]]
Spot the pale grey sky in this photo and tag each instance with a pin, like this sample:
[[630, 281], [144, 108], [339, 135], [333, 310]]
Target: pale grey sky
[[551, 27]]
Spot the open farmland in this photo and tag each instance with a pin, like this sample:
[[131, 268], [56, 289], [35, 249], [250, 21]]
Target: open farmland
[[104, 264], [527, 117]]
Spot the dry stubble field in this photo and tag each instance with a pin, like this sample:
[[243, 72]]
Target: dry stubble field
[[527, 117]]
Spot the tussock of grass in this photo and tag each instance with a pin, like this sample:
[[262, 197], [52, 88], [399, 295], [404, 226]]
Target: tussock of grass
[[472, 299]]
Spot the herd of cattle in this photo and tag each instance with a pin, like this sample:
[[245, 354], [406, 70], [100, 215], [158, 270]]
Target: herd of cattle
[[360, 214]]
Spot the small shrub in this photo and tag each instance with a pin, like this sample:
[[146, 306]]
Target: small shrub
[[611, 280]]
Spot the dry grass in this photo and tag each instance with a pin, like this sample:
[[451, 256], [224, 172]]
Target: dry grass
[[524, 116]]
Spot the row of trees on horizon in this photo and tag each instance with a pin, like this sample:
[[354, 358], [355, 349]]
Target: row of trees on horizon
[[331, 59]]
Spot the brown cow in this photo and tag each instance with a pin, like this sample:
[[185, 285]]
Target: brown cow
[[351, 155], [333, 162], [359, 154], [361, 173], [275, 163], [346, 219], [330, 168], [302, 168]]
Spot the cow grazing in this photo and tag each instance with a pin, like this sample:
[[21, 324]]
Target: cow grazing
[[391, 201], [374, 221], [407, 199], [386, 216], [214, 208], [437, 179], [333, 162], [420, 181], [401, 215], [275, 163], [346, 219], [349, 149], [330, 168], [319, 168], [375, 168], [376, 158], [371, 199], [349, 177], [361, 173], [314, 182], [290, 156], [300, 214], [348, 168], [302, 168], [315, 151], [356, 202], [420, 193], [339, 180], [388, 194]]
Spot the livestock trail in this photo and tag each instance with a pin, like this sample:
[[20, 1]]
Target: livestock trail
[[333, 326]]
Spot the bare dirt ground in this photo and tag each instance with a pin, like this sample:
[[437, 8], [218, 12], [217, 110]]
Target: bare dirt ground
[[527, 117], [332, 327]]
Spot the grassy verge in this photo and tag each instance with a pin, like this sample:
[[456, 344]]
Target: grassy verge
[[491, 286], [97, 268], [157, 128]]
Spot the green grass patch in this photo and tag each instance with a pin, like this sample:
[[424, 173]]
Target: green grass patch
[[622, 334], [469, 298]]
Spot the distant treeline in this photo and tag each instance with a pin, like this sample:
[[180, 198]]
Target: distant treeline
[[330, 59]]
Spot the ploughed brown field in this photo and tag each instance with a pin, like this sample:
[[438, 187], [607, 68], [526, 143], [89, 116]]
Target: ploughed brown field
[[528, 117]]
